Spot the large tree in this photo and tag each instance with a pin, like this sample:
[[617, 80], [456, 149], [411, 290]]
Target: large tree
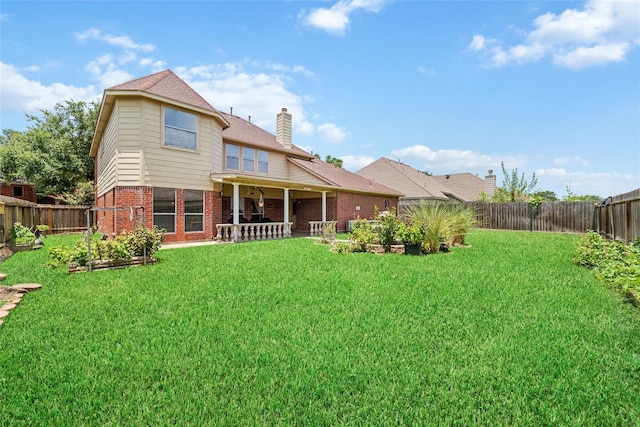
[[53, 153]]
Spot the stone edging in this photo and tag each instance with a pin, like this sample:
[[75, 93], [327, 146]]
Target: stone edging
[[15, 294]]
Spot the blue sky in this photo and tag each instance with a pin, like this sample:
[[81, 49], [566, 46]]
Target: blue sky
[[444, 86]]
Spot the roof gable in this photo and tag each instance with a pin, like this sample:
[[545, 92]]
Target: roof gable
[[167, 85], [404, 178], [343, 178]]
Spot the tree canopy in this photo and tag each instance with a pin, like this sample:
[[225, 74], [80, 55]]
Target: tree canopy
[[330, 159], [53, 153]]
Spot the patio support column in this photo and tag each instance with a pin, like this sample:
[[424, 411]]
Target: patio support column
[[324, 206], [286, 205], [236, 209], [286, 213]]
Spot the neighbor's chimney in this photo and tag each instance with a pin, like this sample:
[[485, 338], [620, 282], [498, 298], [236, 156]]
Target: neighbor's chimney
[[283, 128], [490, 184]]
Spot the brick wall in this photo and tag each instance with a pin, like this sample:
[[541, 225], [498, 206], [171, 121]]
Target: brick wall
[[347, 203], [114, 222]]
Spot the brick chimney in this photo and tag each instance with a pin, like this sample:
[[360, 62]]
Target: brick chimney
[[283, 128], [490, 184]]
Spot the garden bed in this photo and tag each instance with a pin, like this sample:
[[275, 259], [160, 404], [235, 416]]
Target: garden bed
[[111, 264]]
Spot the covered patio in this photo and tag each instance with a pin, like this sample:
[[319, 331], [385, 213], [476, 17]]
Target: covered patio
[[262, 208]]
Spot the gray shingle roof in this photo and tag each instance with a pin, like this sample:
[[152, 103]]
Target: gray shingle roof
[[404, 178], [167, 85], [343, 178], [243, 131]]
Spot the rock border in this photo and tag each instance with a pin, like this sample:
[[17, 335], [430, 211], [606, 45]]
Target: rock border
[[15, 292]]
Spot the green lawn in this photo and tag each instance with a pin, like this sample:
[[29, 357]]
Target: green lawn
[[506, 332]]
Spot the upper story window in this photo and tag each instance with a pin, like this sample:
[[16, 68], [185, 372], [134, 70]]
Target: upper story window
[[180, 129], [18, 191], [233, 154], [247, 159], [263, 162]]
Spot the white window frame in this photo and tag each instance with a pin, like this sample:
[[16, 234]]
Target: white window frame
[[248, 162], [236, 157], [175, 129]]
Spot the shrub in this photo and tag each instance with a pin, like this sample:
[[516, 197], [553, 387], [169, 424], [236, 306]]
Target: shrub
[[615, 263], [20, 234], [361, 235], [125, 246], [388, 226], [137, 240], [411, 233]]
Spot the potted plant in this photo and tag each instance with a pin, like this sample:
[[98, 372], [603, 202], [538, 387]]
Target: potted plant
[[412, 236]]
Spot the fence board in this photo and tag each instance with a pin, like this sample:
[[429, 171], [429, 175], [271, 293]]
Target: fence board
[[62, 219], [619, 217], [576, 217]]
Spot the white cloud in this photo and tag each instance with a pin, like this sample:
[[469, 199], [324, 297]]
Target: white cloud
[[332, 133], [421, 156], [588, 56], [18, 93], [258, 94], [431, 72], [335, 20], [355, 163], [121, 41], [601, 184], [576, 160], [603, 31], [477, 43]]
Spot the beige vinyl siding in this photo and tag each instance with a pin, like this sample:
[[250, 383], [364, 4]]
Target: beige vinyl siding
[[300, 175], [278, 166], [129, 114], [106, 159], [172, 167]]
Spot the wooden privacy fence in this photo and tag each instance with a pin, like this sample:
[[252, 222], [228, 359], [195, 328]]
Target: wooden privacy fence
[[619, 217], [62, 219], [574, 217], [14, 210]]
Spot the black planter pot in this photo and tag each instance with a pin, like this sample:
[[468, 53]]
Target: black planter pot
[[412, 249]]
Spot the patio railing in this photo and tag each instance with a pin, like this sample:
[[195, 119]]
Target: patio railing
[[317, 227], [253, 231]]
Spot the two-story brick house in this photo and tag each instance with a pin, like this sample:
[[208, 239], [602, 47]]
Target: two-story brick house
[[160, 146]]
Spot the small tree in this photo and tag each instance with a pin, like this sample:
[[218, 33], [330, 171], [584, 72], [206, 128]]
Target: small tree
[[387, 228], [515, 187]]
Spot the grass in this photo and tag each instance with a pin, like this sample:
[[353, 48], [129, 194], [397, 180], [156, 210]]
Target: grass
[[506, 332]]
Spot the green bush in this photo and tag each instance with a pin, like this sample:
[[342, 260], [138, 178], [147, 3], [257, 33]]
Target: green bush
[[125, 246], [387, 228], [615, 263], [137, 240], [20, 234], [361, 235]]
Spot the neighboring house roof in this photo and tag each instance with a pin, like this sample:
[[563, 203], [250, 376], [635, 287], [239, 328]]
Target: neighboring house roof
[[342, 178], [245, 132], [464, 186], [411, 182]]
